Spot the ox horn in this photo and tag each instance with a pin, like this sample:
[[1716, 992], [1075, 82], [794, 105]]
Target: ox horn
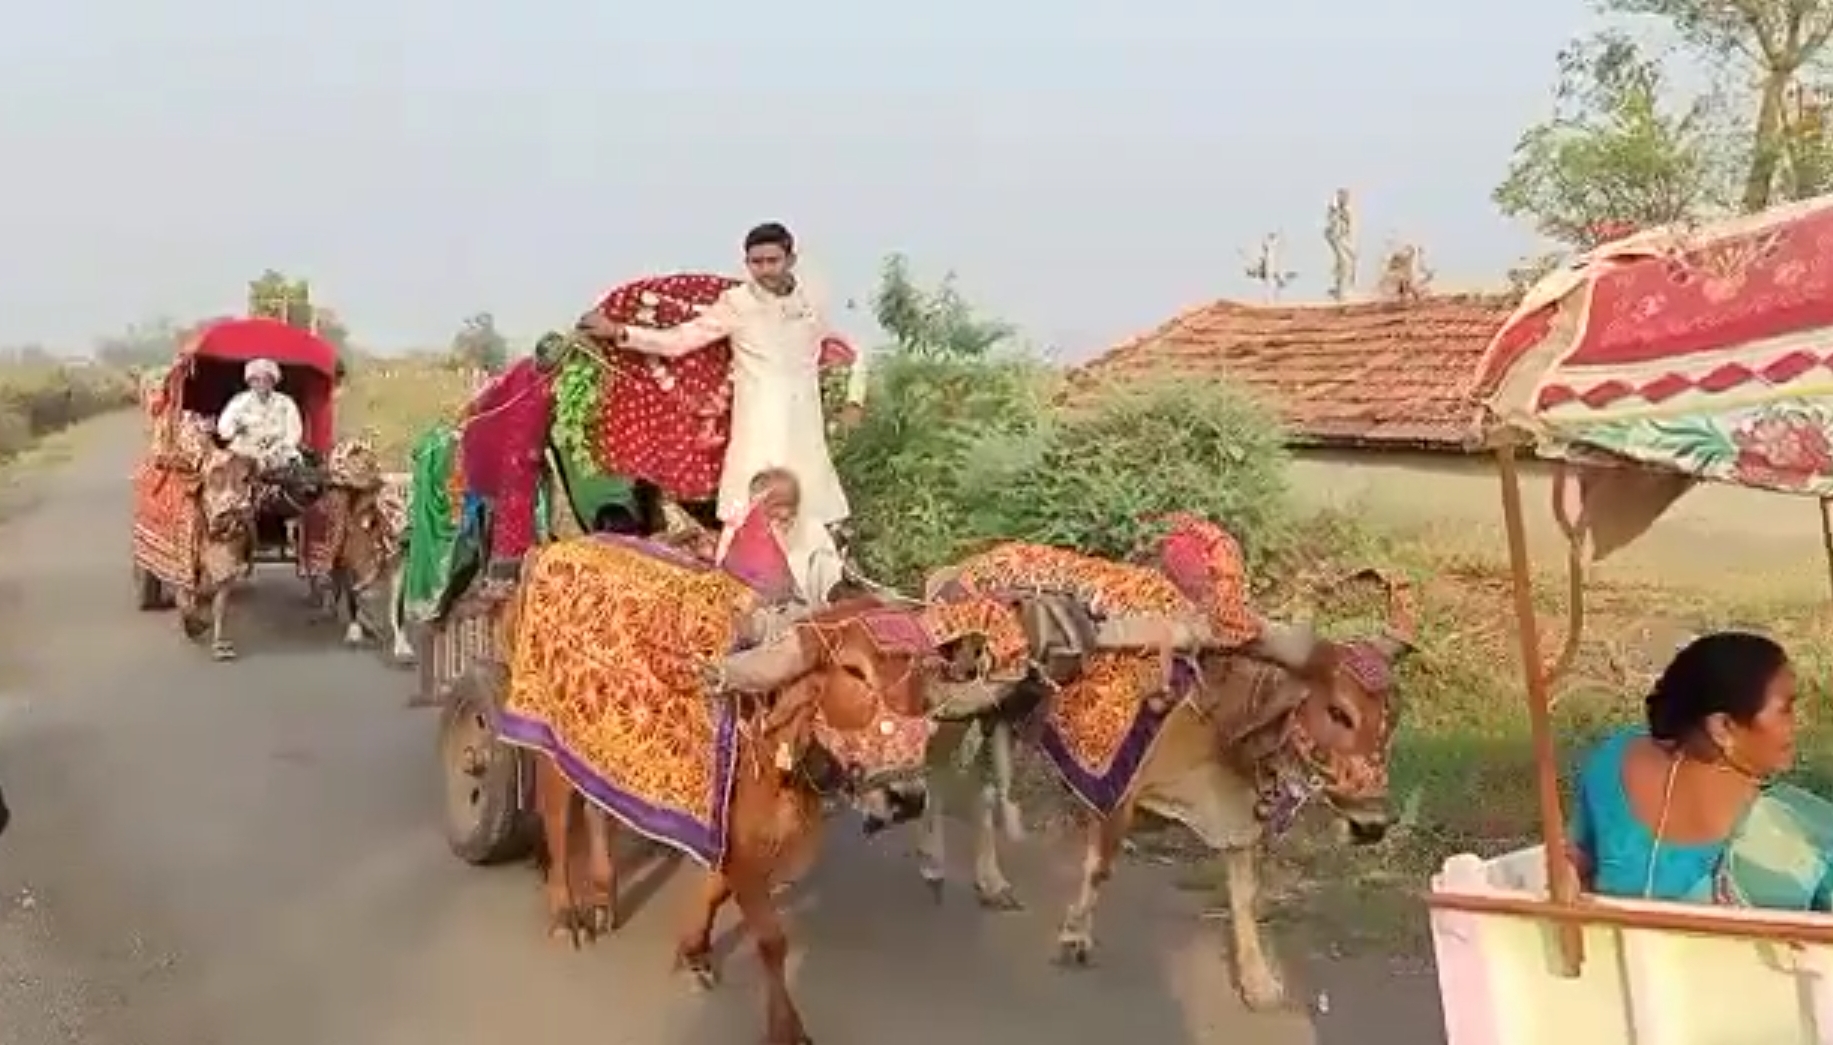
[[766, 667]]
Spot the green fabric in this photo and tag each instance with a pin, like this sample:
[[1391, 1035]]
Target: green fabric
[[432, 532], [439, 551], [1781, 856], [589, 489], [431, 527]]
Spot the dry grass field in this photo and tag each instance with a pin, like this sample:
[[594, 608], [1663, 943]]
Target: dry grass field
[[39, 398]]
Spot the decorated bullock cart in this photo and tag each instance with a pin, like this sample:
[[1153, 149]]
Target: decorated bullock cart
[[1656, 362], [575, 439], [184, 513]]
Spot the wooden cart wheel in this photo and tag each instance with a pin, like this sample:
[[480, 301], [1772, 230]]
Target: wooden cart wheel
[[485, 822], [149, 591]]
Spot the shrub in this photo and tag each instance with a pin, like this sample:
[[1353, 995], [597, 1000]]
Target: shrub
[[957, 453], [903, 466], [1097, 475]]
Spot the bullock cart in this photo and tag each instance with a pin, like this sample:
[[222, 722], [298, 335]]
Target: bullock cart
[[181, 406], [1667, 359], [577, 439]]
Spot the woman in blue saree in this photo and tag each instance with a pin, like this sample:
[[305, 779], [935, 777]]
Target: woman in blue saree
[[1688, 807]]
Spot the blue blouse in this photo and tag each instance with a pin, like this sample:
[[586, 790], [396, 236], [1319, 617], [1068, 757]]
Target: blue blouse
[[1624, 858]]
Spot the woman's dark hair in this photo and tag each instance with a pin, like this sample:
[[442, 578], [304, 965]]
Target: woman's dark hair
[[1724, 673]]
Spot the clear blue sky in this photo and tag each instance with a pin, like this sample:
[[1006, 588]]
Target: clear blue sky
[[1087, 166]]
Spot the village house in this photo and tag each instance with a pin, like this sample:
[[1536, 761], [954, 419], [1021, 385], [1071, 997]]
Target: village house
[[1374, 396]]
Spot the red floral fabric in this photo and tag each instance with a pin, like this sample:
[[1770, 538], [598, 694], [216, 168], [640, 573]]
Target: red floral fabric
[[1782, 451], [668, 421], [1205, 564]]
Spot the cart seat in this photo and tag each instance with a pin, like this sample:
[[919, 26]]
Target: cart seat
[[1499, 985]]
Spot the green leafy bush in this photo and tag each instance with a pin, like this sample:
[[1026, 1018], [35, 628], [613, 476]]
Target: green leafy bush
[[1098, 475], [903, 466], [958, 453]]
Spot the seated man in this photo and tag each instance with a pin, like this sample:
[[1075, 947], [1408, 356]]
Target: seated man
[[261, 422]]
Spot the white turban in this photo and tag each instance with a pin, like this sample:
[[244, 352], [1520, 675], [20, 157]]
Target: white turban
[[258, 367]]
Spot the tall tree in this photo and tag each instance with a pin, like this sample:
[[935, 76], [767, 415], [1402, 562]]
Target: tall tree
[[478, 344], [1776, 40], [1618, 152], [938, 322]]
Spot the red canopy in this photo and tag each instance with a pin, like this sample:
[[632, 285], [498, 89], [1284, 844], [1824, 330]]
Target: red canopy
[[246, 339], [308, 363]]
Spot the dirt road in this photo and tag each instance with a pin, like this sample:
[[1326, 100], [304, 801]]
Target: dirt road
[[248, 854]]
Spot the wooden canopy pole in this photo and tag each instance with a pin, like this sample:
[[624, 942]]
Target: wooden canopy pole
[[1826, 535], [1561, 884]]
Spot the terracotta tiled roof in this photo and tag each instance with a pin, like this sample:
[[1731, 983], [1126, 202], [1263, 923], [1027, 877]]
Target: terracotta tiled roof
[[1384, 373]]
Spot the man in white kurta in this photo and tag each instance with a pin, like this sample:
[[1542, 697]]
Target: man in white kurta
[[775, 324], [262, 422]]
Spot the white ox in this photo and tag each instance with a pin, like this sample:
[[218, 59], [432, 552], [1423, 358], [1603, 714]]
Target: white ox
[[1251, 735]]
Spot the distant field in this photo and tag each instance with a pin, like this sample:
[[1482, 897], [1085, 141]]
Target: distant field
[[37, 399]]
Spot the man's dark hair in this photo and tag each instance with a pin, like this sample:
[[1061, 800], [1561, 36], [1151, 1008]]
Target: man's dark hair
[[771, 234]]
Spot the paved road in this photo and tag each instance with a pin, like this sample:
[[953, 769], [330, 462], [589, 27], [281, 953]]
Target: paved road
[[247, 854]]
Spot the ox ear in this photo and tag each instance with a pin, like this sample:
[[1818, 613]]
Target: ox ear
[[766, 667]]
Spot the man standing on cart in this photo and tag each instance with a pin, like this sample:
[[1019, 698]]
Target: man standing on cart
[[776, 325]]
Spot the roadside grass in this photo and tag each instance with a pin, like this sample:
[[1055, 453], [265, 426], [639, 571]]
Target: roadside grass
[[395, 401], [1463, 777], [38, 399]]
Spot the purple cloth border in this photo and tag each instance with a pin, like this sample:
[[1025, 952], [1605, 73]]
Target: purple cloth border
[[655, 550], [1104, 792], [704, 842]]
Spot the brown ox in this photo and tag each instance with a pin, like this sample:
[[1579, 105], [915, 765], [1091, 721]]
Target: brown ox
[[828, 707], [368, 509], [1253, 734], [226, 513]]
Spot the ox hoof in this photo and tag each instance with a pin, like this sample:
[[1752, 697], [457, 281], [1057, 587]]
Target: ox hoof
[[353, 635], [934, 885], [1262, 991], [602, 920], [1003, 898], [1075, 952], [573, 926], [222, 650], [699, 969]]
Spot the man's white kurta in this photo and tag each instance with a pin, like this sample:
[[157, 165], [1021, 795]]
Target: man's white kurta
[[268, 430], [776, 392]]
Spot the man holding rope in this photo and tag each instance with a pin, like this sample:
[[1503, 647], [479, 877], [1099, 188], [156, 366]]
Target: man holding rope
[[776, 326]]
